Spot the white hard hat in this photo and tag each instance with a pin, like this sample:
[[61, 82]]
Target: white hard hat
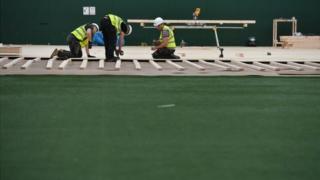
[[158, 21], [96, 25], [129, 30]]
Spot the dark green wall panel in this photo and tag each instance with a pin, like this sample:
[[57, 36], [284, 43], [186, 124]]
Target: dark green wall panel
[[1, 21], [48, 22]]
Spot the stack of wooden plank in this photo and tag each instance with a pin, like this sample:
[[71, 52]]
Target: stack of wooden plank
[[10, 51], [307, 42]]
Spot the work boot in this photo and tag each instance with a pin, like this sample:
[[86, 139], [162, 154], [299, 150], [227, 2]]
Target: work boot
[[175, 57], [113, 59], [54, 53]]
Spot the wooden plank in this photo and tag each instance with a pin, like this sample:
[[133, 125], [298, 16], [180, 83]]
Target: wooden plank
[[179, 68], [3, 59], [267, 66], [304, 66], [234, 67], [12, 63], [64, 64], [156, 65], [118, 65], [251, 66], [29, 62], [101, 64], [50, 62], [150, 21], [84, 64], [10, 50], [308, 42], [225, 68], [201, 68], [137, 64], [287, 66]]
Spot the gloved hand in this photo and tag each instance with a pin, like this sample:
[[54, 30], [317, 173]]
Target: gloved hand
[[89, 56], [119, 52], [90, 45]]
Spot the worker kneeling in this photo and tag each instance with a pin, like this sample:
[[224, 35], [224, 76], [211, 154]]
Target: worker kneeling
[[77, 39], [166, 45]]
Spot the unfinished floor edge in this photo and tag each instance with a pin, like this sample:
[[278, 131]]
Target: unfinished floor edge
[[195, 61]]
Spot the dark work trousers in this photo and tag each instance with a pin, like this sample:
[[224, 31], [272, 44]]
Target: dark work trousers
[[109, 37], [75, 48], [165, 53]]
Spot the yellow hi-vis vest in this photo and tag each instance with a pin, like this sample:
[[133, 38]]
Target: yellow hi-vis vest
[[172, 41], [80, 33], [84, 43], [116, 22]]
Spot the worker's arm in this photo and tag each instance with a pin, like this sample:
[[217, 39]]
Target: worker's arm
[[89, 35], [119, 50], [164, 44], [121, 41], [87, 50]]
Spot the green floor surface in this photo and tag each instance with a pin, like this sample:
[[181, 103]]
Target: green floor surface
[[159, 128]]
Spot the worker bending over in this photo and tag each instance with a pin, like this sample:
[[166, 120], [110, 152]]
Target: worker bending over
[[77, 39], [165, 47], [111, 25]]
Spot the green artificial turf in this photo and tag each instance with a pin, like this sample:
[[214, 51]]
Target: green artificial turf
[[114, 128]]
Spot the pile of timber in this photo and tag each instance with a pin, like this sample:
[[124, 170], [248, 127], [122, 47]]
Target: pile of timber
[[10, 51], [307, 42]]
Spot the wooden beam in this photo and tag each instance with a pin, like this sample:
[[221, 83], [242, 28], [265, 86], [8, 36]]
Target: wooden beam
[[225, 68], [287, 66], [10, 50], [234, 67], [29, 62], [179, 68], [304, 66], [118, 65], [201, 68], [64, 64], [267, 66], [156, 65], [101, 64], [251, 66], [137, 64], [12, 63], [50, 62], [84, 64]]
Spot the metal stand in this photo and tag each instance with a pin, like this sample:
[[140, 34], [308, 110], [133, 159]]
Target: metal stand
[[294, 22], [215, 29]]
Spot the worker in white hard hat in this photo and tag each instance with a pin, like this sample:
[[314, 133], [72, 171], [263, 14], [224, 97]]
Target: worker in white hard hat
[[77, 39], [165, 47], [111, 25]]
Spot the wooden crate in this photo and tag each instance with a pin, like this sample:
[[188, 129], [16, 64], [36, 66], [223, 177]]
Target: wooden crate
[[306, 42]]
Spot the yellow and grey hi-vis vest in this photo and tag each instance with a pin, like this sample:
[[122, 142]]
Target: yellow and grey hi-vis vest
[[172, 41], [80, 33], [116, 22]]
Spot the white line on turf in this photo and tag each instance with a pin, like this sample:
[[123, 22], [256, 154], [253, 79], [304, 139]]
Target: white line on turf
[[166, 106]]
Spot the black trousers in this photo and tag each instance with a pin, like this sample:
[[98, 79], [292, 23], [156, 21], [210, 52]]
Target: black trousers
[[109, 36], [165, 53], [75, 49]]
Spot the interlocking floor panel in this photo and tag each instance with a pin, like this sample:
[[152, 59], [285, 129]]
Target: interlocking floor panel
[[195, 61]]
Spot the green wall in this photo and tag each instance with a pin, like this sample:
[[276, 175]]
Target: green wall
[[48, 22]]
